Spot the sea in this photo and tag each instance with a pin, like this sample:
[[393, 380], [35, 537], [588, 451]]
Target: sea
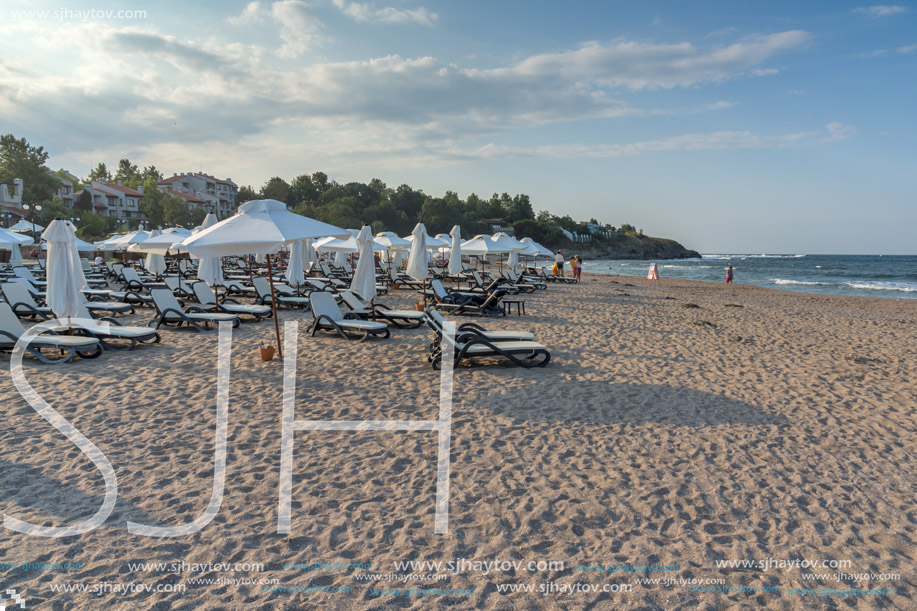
[[892, 276]]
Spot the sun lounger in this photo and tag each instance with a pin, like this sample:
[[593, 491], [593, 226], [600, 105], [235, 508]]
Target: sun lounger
[[133, 282], [263, 289], [23, 305], [518, 280], [473, 341], [435, 321], [170, 312], [328, 317], [207, 300], [25, 272], [549, 277], [180, 288], [114, 333], [403, 318], [468, 303], [67, 346], [236, 287]]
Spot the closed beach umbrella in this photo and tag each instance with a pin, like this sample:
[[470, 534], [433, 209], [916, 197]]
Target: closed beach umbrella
[[210, 269], [308, 254], [155, 263], [15, 255], [64, 270], [364, 277], [295, 274], [455, 257], [417, 260]]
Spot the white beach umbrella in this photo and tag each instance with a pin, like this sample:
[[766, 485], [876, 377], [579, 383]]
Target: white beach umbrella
[[155, 263], [364, 277], [391, 241], [124, 241], [210, 269], [455, 257], [7, 235], [81, 246], [429, 241], [295, 273], [64, 270], [25, 225], [417, 260], [164, 243], [337, 245], [260, 226]]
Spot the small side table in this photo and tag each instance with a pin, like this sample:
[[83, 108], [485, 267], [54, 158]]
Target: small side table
[[508, 306]]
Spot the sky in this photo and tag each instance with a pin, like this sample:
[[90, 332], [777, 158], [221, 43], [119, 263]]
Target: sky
[[750, 127]]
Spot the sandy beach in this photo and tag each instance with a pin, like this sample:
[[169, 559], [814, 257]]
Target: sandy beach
[[678, 426]]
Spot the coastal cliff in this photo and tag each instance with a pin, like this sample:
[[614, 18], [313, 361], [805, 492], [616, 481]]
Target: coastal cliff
[[628, 246]]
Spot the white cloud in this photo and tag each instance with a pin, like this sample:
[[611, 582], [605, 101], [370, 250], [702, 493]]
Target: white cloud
[[298, 26], [653, 66], [765, 71], [296, 22], [686, 142], [361, 11], [880, 10], [907, 49], [253, 12], [171, 93], [839, 131]]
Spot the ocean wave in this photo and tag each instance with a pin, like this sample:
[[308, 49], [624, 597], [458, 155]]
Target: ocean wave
[[905, 287], [800, 282], [686, 266]]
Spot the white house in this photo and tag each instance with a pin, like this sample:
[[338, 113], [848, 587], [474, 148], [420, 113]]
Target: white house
[[115, 200], [214, 195]]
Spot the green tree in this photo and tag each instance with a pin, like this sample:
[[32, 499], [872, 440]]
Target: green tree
[[92, 225], [53, 209], [152, 203], [126, 171], [151, 172], [304, 192], [175, 211], [101, 173], [520, 208], [439, 214], [83, 202], [277, 188], [197, 216], [247, 194], [408, 201], [18, 159]]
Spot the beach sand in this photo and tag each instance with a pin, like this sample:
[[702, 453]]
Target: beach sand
[[677, 425]]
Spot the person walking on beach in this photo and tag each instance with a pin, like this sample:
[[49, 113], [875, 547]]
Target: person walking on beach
[[729, 275], [559, 262], [576, 265]]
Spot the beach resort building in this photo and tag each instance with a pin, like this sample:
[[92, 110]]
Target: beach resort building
[[11, 199], [113, 199], [212, 194]]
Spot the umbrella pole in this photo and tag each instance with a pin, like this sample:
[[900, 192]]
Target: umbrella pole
[[270, 278]]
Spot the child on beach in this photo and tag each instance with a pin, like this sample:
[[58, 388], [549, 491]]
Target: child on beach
[[577, 266], [729, 275]]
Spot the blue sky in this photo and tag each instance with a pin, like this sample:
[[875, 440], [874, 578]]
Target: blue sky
[[732, 127]]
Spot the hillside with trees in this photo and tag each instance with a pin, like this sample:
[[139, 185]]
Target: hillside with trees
[[349, 204]]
